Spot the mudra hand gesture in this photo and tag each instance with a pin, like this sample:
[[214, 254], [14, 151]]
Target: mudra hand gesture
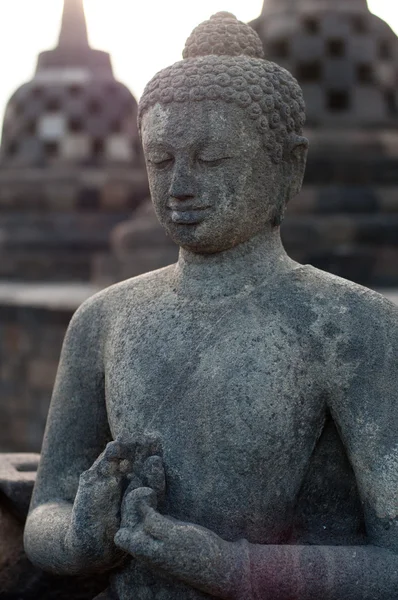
[[189, 552], [97, 506]]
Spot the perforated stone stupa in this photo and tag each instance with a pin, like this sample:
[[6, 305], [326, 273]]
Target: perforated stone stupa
[[73, 110], [70, 161], [346, 60], [71, 170]]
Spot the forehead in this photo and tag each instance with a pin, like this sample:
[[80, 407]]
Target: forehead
[[193, 123]]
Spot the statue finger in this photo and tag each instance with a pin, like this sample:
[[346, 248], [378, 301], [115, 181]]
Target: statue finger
[[116, 459], [153, 475], [157, 526], [103, 467], [122, 539], [135, 504], [134, 482], [137, 543], [152, 442], [149, 445], [121, 452]]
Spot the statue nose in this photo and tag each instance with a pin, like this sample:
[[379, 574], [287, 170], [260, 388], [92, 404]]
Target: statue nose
[[182, 188], [183, 183]]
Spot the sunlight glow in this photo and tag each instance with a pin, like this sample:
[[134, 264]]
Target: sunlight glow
[[142, 36]]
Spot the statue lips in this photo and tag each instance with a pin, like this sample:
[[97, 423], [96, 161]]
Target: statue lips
[[188, 215]]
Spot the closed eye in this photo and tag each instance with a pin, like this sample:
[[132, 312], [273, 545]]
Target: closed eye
[[161, 164], [213, 162]]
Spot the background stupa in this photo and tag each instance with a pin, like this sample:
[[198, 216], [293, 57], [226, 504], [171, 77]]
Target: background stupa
[[71, 169], [346, 60], [71, 165]]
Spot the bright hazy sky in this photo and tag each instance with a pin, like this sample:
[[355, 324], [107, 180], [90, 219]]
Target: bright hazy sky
[[142, 36]]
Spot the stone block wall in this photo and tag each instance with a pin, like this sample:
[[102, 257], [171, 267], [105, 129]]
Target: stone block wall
[[345, 220], [53, 223], [138, 245], [355, 237], [33, 322]]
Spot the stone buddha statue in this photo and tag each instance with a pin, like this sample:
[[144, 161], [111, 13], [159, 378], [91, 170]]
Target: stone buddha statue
[[225, 427]]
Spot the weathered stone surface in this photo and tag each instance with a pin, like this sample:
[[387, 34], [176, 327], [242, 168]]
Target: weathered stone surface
[[225, 427]]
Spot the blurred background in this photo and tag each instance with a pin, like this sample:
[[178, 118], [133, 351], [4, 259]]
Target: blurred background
[[142, 37], [75, 213]]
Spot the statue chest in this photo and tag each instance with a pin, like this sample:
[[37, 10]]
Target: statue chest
[[234, 400]]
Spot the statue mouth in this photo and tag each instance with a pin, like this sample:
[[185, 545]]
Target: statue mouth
[[189, 216]]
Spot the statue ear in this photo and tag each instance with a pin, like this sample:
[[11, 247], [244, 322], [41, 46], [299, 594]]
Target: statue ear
[[298, 151]]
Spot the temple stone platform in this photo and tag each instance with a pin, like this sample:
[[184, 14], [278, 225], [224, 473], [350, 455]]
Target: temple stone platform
[[55, 296]]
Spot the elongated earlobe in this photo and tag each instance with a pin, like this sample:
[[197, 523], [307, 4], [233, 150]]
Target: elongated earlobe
[[296, 142], [298, 157]]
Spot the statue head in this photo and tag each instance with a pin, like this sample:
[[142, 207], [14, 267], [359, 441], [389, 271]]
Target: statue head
[[222, 137]]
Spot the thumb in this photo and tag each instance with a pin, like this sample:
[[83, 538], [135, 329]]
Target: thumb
[[154, 475], [136, 505]]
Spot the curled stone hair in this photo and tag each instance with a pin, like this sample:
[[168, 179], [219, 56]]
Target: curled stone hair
[[223, 60]]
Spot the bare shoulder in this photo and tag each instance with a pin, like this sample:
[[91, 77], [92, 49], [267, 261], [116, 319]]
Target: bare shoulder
[[144, 290], [358, 331], [358, 309]]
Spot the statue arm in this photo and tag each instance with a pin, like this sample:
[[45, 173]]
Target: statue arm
[[243, 571], [330, 572], [77, 432], [365, 409]]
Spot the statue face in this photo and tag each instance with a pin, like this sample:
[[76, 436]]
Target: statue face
[[212, 181]]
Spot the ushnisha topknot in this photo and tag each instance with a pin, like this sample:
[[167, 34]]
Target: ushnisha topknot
[[223, 60], [223, 35]]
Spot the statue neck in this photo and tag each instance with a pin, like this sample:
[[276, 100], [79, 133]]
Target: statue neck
[[233, 272]]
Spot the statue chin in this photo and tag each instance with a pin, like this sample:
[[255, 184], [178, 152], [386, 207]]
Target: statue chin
[[194, 237], [212, 235], [196, 243]]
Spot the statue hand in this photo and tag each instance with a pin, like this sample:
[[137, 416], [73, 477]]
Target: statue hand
[[96, 509], [189, 552], [148, 469]]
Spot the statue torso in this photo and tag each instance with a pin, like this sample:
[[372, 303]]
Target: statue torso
[[236, 391]]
